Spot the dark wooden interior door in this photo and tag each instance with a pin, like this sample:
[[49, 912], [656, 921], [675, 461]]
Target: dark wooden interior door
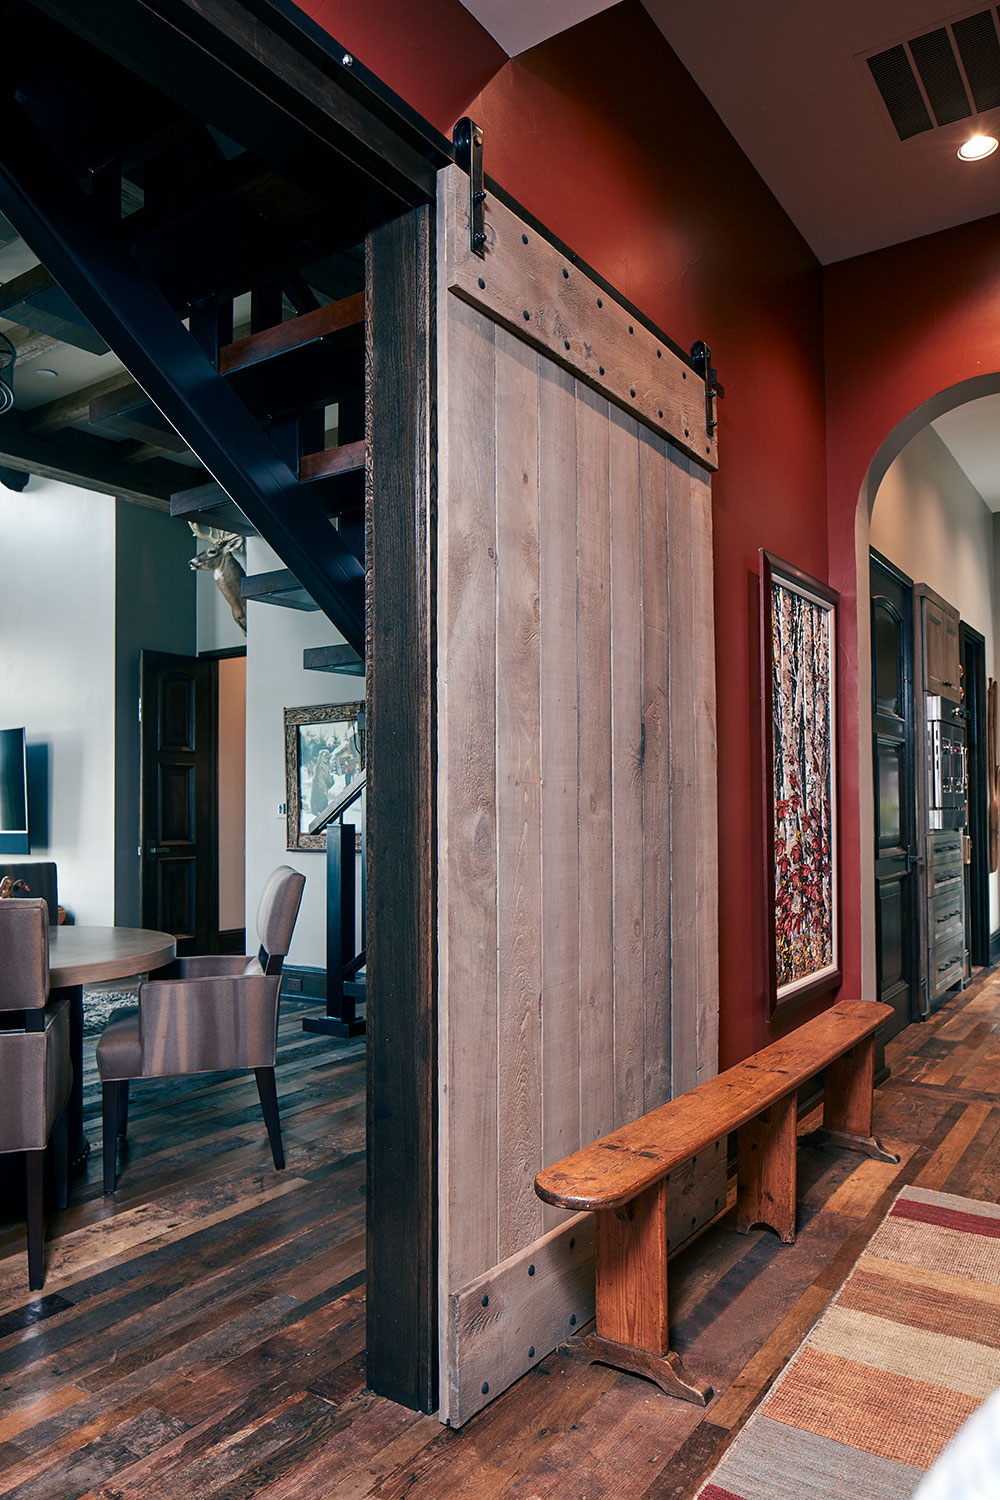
[[896, 925], [179, 804]]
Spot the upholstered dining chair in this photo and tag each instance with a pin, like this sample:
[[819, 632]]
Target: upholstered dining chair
[[204, 1015], [35, 1069]]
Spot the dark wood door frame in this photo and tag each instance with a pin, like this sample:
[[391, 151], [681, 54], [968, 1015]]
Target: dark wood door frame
[[266, 87], [895, 864], [973, 647], [402, 858]]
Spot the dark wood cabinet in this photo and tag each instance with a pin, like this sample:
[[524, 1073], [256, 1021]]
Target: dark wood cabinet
[[942, 663]]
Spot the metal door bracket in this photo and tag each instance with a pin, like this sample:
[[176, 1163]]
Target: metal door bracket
[[701, 356], [467, 138]]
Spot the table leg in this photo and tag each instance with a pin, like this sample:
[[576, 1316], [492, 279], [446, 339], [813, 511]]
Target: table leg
[[79, 1146]]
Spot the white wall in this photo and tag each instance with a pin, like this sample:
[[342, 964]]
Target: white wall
[[57, 674], [276, 680], [932, 523]]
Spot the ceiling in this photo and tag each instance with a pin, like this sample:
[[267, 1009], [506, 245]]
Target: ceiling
[[972, 433], [807, 114], [793, 88], [792, 85]]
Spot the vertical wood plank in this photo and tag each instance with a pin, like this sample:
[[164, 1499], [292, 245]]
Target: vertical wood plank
[[685, 853], [560, 896], [706, 774], [656, 772], [595, 912], [626, 766], [467, 909], [518, 795]]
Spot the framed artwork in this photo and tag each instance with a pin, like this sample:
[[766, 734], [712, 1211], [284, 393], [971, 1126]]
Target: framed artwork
[[324, 750], [799, 733]]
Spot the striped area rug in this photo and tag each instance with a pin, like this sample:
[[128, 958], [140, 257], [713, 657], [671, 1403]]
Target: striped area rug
[[905, 1353]]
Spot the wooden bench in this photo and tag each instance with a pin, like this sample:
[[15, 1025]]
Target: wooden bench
[[623, 1177]]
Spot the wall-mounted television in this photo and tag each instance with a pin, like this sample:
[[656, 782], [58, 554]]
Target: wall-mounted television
[[13, 793]]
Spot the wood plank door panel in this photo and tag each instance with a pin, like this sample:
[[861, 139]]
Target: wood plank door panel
[[577, 823]]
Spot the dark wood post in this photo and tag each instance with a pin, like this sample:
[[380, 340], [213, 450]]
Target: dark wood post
[[401, 873]]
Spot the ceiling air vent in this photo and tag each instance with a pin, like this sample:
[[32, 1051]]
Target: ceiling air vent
[[940, 76]]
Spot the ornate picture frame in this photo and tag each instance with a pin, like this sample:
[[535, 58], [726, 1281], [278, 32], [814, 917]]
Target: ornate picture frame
[[798, 615], [324, 750]]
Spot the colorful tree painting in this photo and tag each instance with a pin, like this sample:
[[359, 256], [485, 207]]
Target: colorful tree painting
[[801, 623]]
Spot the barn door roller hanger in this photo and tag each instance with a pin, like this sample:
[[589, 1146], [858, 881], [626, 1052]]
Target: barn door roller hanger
[[701, 358], [467, 139]]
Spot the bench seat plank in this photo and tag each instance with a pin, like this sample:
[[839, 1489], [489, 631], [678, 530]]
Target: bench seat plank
[[620, 1166]]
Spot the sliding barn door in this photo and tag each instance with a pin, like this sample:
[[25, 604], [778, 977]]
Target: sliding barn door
[[577, 772]]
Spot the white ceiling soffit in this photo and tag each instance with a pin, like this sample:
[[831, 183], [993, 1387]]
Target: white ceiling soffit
[[972, 433], [520, 24], [791, 83]]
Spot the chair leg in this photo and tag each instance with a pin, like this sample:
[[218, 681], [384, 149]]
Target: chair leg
[[60, 1158], [123, 1109], [111, 1097], [269, 1104], [35, 1162]]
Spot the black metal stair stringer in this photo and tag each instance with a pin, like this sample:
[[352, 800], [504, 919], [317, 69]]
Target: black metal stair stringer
[[57, 219]]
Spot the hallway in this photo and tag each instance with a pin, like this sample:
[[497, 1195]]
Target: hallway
[[206, 1338]]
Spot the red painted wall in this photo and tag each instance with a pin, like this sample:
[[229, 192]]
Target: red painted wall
[[603, 135], [900, 325], [435, 55]]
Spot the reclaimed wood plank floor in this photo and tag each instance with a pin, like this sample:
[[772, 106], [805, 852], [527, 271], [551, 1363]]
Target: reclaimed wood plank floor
[[202, 1334]]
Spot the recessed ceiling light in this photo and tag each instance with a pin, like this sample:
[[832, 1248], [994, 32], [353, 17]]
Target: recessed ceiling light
[[978, 146], [47, 374]]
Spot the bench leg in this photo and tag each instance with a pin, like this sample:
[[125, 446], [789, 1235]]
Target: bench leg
[[631, 1253], [847, 1104], [765, 1171]]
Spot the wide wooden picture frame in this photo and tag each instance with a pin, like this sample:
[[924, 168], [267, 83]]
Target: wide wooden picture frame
[[798, 616], [324, 750]]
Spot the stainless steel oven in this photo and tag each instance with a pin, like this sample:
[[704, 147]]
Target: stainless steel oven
[[946, 789]]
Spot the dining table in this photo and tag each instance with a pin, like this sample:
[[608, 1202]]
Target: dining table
[[80, 956]]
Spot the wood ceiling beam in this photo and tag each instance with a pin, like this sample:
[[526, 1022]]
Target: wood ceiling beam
[[29, 344], [89, 462], [68, 411]]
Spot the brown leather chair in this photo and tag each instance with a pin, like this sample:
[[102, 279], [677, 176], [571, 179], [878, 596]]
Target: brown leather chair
[[204, 1015], [35, 1066]]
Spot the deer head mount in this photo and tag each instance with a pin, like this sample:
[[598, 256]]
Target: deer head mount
[[226, 570]]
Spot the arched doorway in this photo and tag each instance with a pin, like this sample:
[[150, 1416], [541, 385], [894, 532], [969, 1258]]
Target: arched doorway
[[884, 882]]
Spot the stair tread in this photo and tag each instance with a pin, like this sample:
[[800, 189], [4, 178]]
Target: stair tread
[[335, 317]]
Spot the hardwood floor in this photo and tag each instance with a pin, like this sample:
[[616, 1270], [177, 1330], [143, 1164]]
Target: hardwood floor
[[202, 1334]]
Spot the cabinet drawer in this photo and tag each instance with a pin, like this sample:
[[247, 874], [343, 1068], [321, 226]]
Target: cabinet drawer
[[947, 965], [947, 913], [944, 857]]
